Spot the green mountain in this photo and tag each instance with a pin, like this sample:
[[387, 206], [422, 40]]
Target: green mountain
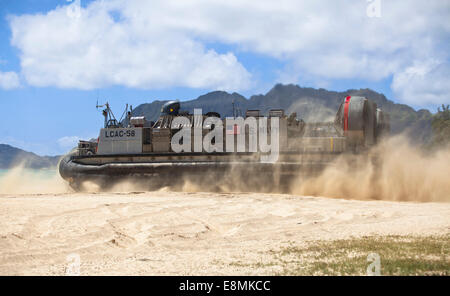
[[11, 156], [441, 127], [309, 103]]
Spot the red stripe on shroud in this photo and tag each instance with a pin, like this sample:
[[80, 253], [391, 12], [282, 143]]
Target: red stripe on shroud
[[346, 106]]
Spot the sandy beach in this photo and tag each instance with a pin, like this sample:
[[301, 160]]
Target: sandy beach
[[174, 233]]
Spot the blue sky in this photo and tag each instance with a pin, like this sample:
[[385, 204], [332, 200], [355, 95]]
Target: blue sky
[[57, 58]]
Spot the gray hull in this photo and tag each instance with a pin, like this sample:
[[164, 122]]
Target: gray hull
[[167, 171]]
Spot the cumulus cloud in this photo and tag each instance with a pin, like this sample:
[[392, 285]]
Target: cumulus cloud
[[93, 49], [161, 43], [424, 83], [68, 141], [9, 80]]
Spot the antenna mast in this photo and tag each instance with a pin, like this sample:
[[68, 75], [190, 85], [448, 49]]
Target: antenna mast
[[234, 112]]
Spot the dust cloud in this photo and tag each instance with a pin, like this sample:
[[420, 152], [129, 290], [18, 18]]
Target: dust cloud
[[394, 171], [312, 110], [21, 180]]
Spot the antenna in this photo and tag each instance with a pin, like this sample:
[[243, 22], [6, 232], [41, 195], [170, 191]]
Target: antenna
[[110, 119], [100, 106], [234, 112], [124, 112], [107, 112]]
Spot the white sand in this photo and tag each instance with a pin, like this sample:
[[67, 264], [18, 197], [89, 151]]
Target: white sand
[[172, 233]]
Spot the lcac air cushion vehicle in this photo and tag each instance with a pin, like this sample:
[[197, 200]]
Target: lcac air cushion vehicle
[[244, 153]]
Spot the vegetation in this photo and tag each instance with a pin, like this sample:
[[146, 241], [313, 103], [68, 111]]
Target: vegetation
[[307, 103], [399, 255], [440, 125]]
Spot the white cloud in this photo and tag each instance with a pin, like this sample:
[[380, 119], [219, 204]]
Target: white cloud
[[9, 80], [160, 43], [68, 141], [424, 83], [95, 51]]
